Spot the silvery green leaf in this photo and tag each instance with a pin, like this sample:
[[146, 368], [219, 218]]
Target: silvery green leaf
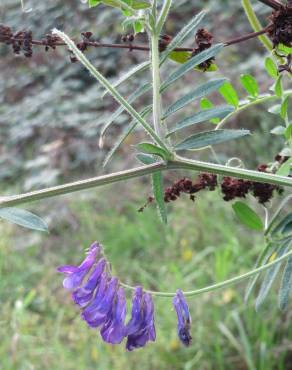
[[193, 62], [201, 91], [126, 132], [23, 218], [262, 260], [145, 158], [125, 77], [182, 35], [286, 285], [135, 95], [206, 138], [284, 226], [158, 192], [203, 116], [269, 278], [153, 149]]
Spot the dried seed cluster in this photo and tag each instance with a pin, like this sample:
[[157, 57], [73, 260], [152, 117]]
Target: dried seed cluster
[[204, 40], [280, 30], [185, 185], [231, 188]]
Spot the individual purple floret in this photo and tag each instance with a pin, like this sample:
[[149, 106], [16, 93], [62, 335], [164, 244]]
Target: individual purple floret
[[76, 274], [83, 295], [140, 328], [113, 331], [183, 317], [96, 313]]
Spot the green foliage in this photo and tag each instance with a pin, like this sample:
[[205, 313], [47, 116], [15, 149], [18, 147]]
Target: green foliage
[[229, 94], [248, 216], [23, 218], [200, 92], [211, 114], [206, 138]]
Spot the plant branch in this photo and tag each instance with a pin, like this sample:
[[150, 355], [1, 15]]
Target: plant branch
[[259, 100], [272, 4], [221, 285], [85, 43], [179, 163], [104, 82]]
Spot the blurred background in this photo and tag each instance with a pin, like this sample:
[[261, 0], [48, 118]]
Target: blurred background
[[50, 119]]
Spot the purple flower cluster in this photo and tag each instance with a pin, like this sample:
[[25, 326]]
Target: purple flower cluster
[[103, 302]]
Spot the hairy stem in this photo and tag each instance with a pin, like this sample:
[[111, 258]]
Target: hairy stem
[[156, 85], [179, 163], [221, 285]]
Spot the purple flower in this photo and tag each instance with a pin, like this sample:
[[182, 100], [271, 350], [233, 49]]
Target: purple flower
[[96, 313], [83, 295], [113, 331], [76, 274], [140, 328], [183, 317]]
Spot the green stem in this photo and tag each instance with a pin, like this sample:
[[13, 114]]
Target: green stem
[[156, 84], [104, 82], [255, 24], [221, 285], [163, 15], [243, 107], [179, 163]]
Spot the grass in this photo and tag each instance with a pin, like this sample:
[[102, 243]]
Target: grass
[[40, 327]]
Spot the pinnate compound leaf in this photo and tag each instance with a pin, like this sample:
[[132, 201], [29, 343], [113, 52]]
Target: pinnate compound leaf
[[134, 96], [286, 286], [203, 116], [229, 94], [23, 218], [250, 84], [158, 192], [270, 277], [206, 138], [135, 4], [284, 226], [153, 149], [198, 93], [157, 184], [271, 68], [125, 77], [193, 62], [182, 35], [248, 216], [126, 132], [262, 260], [285, 168]]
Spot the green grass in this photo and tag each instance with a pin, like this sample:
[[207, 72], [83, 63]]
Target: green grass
[[40, 327]]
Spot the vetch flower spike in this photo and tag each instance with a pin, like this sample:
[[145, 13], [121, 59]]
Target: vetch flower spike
[[113, 331], [76, 274], [183, 317], [83, 295]]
